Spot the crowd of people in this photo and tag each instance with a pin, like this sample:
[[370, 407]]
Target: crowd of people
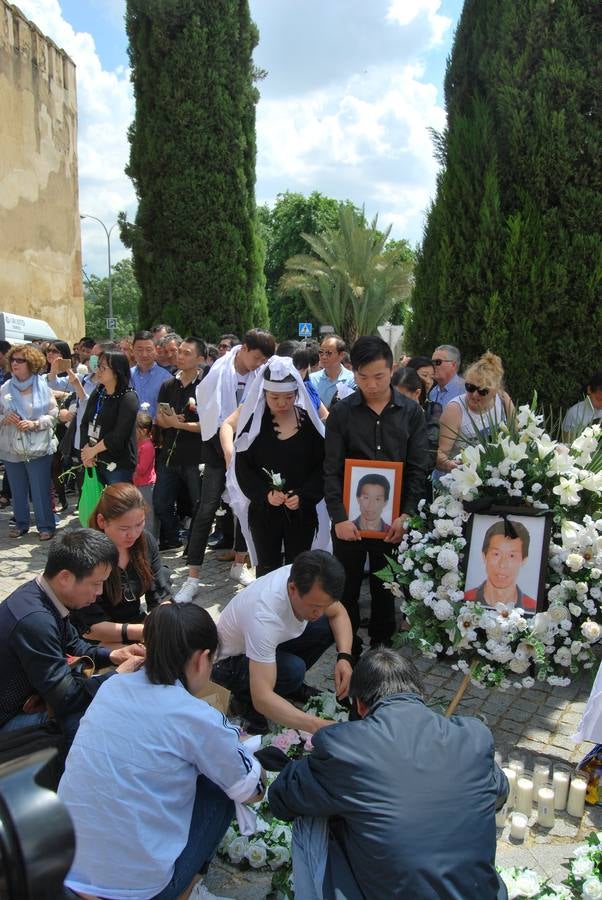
[[241, 447]]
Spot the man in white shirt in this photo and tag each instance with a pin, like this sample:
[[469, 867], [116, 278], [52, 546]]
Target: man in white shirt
[[448, 384], [276, 629], [586, 411], [333, 373]]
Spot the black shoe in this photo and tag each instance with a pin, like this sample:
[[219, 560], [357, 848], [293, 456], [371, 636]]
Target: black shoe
[[221, 544], [303, 694], [214, 538], [168, 545]]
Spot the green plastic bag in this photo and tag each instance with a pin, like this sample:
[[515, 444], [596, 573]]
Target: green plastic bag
[[90, 495]]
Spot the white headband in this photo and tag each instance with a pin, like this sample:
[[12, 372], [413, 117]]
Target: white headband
[[280, 387]]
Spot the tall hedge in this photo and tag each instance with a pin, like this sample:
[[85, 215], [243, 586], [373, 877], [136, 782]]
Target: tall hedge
[[511, 257], [196, 250]]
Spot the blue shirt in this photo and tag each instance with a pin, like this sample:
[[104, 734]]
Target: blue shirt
[[453, 388], [327, 387], [147, 384], [313, 394]]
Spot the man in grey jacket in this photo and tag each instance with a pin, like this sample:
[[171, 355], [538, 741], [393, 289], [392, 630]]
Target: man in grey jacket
[[398, 804]]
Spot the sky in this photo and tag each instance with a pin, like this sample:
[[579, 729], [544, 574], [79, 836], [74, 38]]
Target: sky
[[351, 92]]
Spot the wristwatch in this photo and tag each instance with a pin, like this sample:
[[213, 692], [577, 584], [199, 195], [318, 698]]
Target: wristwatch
[[347, 657]]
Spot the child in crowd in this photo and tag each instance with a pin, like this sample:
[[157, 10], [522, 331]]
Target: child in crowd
[[145, 475]]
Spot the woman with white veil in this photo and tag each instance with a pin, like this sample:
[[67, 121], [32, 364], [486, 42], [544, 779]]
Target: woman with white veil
[[275, 479]]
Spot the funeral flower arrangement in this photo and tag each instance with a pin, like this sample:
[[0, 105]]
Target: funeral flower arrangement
[[527, 883], [516, 465], [583, 881]]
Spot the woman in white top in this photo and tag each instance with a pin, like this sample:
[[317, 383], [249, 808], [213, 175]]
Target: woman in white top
[[152, 772], [472, 415]]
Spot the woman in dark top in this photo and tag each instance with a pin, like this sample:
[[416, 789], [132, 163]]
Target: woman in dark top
[[108, 428], [407, 381], [287, 444], [117, 615]]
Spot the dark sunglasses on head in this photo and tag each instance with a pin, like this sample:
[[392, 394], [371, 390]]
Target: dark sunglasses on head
[[437, 362], [471, 388]]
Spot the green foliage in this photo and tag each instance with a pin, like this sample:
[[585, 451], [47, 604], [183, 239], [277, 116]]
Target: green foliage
[[126, 297], [282, 229], [352, 280], [511, 258], [196, 249]]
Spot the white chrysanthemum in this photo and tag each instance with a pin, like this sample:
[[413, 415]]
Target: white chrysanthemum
[[443, 610], [419, 589], [447, 558]]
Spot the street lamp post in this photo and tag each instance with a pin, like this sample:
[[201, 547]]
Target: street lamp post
[[108, 234]]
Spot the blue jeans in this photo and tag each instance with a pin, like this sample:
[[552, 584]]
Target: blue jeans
[[35, 477], [25, 720], [115, 477], [211, 815], [165, 496], [293, 659]]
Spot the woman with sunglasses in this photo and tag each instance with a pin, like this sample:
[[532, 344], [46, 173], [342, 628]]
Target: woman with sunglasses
[[153, 771], [471, 416], [117, 615], [28, 413], [108, 427]]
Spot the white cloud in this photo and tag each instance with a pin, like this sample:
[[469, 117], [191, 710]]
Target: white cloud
[[105, 110], [403, 12]]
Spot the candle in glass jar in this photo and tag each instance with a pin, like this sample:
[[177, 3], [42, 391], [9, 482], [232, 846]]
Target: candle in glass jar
[[545, 807], [560, 781], [511, 776], [500, 817], [541, 775], [518, 826], [518, 766], [524, 795], [576, 802]]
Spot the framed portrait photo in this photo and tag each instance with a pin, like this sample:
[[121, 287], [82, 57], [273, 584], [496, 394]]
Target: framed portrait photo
[[371, 494], [506, 559]]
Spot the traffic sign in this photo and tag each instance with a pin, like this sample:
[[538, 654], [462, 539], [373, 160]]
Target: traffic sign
[[111, 323], [305, 329]]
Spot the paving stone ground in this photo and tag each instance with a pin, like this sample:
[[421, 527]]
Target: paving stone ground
[[535, 722]]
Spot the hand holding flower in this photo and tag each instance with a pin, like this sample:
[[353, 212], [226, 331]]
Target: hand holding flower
[[26, 425], [88, 456], [276, 498], [292, 501]]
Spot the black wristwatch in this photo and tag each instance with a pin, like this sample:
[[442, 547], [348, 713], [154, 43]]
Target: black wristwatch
[[347, 657]]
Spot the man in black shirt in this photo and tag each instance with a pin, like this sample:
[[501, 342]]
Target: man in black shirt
[[37, 637], [179, 459], [376, 423]]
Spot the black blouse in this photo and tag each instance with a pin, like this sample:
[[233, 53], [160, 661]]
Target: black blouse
[[129, 609], [115, 416]]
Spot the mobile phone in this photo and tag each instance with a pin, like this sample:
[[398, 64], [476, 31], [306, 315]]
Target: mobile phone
[[165, 408]]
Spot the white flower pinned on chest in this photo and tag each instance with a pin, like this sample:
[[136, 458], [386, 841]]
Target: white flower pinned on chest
[[192, 404]]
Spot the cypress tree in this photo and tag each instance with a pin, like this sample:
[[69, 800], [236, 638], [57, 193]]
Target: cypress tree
[[511, 257], [196, 251]]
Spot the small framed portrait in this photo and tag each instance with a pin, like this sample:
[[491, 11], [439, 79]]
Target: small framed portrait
[[506, 559], [371, 494]]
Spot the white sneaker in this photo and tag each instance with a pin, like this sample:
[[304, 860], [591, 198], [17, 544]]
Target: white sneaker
[[188, 591], [201, 892], [240, 573]]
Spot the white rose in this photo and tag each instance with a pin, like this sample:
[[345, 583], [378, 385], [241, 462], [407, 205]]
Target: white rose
[[237, 849], [576, 647], [518, 666], [574, 561], [595, 572], [581, 588], [558, 613], [528, 682], [591, 631], [279, 856], [591, 889], [574, 610], [582, 867], [563, 656], [536, 487], [527, 883], [581, 850], [257, 854], [111, 466]]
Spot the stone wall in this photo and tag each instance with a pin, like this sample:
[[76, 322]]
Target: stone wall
[[40, 248]]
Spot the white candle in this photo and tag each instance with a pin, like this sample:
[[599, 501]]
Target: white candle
[[541, 776], [500, 817], [545, 807], [511, 776], [560, 782], [524, 795], [576, 801], [518, 826], [518, 766]]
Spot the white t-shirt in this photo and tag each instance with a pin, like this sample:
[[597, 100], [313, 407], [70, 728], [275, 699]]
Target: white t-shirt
[[258, 619], [580, 415], [130, 782]]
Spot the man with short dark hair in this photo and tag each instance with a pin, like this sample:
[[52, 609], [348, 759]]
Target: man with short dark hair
[[37, 639], [182, 449], [159, 331], [375, 423], [167, 352], [372, 494], [5, 372], [84, 348], [276, 629], [333, 373], [505, 551], [400, 804], [147, 375], [448, 384], [226, 342]]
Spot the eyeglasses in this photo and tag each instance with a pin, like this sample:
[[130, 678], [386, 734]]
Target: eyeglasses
[[471, 388], [437, 362], [18, 359], [327, 352], [224, 346], [102, 368]]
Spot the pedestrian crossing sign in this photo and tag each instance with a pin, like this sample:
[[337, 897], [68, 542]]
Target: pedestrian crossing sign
[[305, 329]]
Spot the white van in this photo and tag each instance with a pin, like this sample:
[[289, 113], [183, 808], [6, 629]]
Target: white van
[[21, 329]]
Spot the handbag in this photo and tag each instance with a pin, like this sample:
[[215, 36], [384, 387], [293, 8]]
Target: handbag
[[91, 493], [27, 445]]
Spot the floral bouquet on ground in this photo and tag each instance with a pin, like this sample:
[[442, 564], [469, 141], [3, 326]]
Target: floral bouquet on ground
[[527, 883], [585, 869], [518, 465]]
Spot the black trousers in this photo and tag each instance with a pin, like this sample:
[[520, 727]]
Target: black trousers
[[273, 526], [352, 556]]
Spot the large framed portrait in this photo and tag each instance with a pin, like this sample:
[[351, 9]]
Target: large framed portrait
[[506, 559], [371, 494]]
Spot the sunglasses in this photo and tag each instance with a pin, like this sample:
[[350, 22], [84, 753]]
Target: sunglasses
[[18, 359], [437, 362], [471, 388], [224, 346]]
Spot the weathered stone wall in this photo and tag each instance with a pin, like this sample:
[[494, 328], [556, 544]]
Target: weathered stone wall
[[40, 248]]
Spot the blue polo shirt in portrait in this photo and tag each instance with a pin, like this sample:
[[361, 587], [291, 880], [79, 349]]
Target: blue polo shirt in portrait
[[327, 387], [147, 384]]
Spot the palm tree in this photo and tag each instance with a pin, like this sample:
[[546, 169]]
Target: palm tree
[[351, 281]]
